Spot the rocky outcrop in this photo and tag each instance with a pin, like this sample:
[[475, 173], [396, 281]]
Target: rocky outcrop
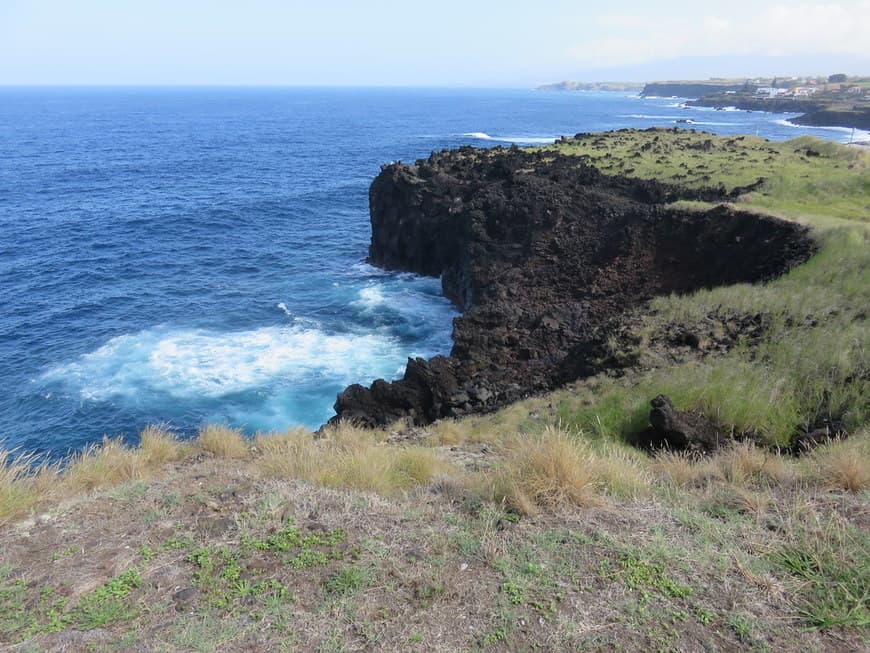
[[753, 103], [544, 255], [673, 430], [815, 112], [855, 118]]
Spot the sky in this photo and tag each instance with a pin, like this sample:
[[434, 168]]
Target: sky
[[407, 43]]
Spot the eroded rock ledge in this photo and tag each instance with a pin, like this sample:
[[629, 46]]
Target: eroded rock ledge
[[544, 255]]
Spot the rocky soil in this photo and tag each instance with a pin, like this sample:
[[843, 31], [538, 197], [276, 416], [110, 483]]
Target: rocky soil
[[546, 257]]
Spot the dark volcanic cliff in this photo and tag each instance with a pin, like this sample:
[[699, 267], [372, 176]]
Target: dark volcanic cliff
[[543, 255], [816, 111]]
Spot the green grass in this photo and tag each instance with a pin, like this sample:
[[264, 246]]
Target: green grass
[[108, 603], [832, 567], [813, 361], [223, 575], [645, 576], [834, 184], [28, 609], [349, 580]]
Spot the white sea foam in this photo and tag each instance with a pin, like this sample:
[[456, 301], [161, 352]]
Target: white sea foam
[[709, 124], [644, 116], [860, 134], [483, 136], [284, 308], [371, 297], [197, 363]]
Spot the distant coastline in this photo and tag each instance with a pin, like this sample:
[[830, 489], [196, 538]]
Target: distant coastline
[[834, 101]]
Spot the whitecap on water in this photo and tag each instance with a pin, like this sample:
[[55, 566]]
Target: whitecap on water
[[197, 363], [848, 132], [370, 297], [530, 140]]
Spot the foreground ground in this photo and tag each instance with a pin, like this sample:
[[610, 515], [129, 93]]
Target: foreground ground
[[613, 551], [534, 528]]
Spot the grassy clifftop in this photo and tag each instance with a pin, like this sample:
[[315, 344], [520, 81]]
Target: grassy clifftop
[[533, 528]]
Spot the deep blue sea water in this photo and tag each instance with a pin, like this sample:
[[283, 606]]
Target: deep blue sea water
[[196, 255]]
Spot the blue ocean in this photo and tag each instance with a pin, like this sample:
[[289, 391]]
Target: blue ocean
[[192, 255]]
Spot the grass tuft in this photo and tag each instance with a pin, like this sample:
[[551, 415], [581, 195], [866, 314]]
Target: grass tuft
[[109, 463], [682, 469], [831, 562], [844, 464], [223, 441], [348, 457], [158, 445], [24, 481], [744, 463], [550, 470]]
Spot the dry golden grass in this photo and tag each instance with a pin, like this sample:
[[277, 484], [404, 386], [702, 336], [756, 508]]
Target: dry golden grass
[[748, 501], [223, 441], [288, 455], [24, 481], [844, 464], [623, 472], [447, 433], [528, 472], [548, 470], [158, 445], [682, 469], [108, 463], [416, 466], [744, 463], [365, 468], [348, 457]]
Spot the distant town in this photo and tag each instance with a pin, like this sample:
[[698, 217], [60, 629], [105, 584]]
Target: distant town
[[838, 85]]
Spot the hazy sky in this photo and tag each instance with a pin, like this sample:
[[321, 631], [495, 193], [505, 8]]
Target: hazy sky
[[445, 42]]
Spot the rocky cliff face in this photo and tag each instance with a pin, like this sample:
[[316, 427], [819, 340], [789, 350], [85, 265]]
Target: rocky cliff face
[[544, 256], [817, 112], [752, 103], [854, 118]]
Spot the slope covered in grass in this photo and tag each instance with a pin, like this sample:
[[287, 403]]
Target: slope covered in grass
[[811, 364]]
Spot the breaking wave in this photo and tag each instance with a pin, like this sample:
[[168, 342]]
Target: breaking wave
[[860, 134], [200, 363], [483, 136]]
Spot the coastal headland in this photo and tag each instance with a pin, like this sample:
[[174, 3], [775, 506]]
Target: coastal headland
[[548, 257]]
